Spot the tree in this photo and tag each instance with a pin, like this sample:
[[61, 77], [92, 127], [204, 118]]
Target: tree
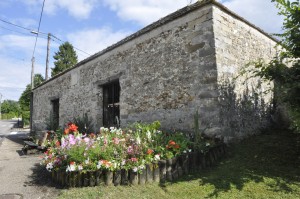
[[284, 70], [24, 100], [65, 58], [9, 106]]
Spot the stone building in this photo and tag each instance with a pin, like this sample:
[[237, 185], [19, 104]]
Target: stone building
[[189, 60]]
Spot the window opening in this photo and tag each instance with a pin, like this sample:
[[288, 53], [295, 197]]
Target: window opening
[[55, 113]]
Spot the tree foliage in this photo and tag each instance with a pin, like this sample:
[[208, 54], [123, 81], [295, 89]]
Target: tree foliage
[[9, 106], [285, 69], [24, 100], [65, 58]]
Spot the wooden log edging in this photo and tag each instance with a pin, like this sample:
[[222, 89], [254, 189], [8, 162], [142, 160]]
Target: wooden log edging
[[164, 170]]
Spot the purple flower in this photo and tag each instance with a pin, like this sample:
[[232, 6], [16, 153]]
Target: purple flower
[[130, 150]]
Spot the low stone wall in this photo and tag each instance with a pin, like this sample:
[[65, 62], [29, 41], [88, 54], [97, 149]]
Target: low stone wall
[[164, 170]]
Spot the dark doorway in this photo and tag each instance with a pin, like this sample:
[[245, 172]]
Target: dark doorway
[[111, 104], [55, 113]]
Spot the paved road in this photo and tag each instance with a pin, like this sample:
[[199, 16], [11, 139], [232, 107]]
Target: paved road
[[5, 128], [6, 125], [20, 175]]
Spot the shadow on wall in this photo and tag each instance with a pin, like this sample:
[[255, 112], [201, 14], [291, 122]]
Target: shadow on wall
[[245, 113]]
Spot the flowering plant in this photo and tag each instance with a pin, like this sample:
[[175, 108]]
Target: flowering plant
[[113, 148]]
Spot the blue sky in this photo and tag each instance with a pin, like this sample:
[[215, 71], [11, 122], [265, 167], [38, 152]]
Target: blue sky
[[90, 25]]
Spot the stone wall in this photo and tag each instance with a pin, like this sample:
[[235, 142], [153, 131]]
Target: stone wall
[[165, 74], [245, 100], [166, 71]]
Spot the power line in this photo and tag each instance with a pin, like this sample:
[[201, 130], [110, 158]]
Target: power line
[[15, 31], [38, 27], [38, 33], [32, 59], [14, 24]]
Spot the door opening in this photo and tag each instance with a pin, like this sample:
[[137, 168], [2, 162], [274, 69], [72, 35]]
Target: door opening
[[111, 104]]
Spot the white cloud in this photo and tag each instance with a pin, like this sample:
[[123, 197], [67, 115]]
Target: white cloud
[[80, 9], [261, 13], [15, 63], [22, 44], [145, 12], [94, 40], [15, 75]]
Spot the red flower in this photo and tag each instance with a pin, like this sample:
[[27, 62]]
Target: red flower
[[134, 159], [66, 132], [92, 135], [176, 146], [73, 127], [149, 151], [57, 143], [72, 163], [171, 142]]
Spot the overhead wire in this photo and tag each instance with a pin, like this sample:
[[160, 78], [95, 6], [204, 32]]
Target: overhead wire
[[14, 24], [40, 34], [38, 28], [15, 31]]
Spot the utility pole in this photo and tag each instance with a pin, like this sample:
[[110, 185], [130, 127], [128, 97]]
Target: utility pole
[[47, 58], [32, 73], [0, 106]]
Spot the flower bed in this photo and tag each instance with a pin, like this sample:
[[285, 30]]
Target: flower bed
[[138, 155]]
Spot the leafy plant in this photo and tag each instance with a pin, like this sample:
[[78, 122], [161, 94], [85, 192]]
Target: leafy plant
[[84, 123]]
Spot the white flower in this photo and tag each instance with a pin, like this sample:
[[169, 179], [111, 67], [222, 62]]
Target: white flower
[[87, 161], [71, 167], [134, 169], [80, 168], [123, 162], [148, 133], [49, 166], [119, 132], [207, 144], [157, 157], [138, 140], [99, 164]]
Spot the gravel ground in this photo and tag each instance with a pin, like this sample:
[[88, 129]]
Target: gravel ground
[[21, 176]]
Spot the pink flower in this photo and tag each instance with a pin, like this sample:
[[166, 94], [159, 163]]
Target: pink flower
[[130, 150], [134, 159], [86, 139], [116, 140]]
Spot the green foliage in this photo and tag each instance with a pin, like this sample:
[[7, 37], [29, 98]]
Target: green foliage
[[65, 58], [84, 123], [264, 166], [291, 26], [9, 106], [24, 100], [285, 69]]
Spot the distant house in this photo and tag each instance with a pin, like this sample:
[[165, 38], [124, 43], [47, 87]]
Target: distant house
[[189, 60]]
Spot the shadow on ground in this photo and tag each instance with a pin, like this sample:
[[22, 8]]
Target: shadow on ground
[[273, 154], [40, 177]]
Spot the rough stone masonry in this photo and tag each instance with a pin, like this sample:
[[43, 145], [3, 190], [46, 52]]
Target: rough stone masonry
[[190, 60]]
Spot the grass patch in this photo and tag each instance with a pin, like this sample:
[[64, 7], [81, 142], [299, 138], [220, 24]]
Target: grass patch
[[263, 166]]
